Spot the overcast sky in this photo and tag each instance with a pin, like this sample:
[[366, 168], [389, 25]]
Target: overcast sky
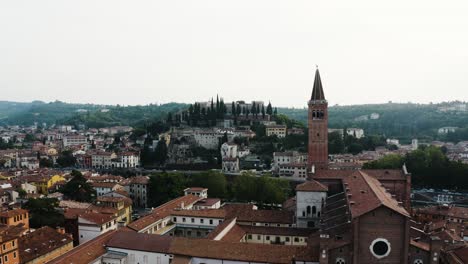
[[139, 52]]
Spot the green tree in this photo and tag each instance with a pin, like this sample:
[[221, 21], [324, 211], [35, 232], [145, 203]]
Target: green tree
[[161, 152], [78, 188], [335, 143], [43, 212], [164, 187], [213, 180], [66, 159]]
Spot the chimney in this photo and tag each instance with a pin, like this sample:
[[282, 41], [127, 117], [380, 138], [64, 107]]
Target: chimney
[[60, 230]]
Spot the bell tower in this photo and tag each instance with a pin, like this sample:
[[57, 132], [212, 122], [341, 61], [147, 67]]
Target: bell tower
[[318, 127]]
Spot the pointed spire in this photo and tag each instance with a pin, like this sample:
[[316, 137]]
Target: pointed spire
[[317, 92]]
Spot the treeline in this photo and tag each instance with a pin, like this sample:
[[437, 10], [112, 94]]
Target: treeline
[[89, 115], [403, 121], [264, 190], [429, 167], [338, 144], [198, 115]]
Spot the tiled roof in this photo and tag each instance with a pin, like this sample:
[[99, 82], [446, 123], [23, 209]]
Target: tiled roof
[[140, 242], [86, 252], [163, 211], [263, 253], [365, 193], [311, 186], [97, 218], [12, 213], [260, 216], [378, 174], [40, 242], [420, 244]]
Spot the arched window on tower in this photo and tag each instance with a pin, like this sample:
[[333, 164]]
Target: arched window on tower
[[314, 210], [308, 210]]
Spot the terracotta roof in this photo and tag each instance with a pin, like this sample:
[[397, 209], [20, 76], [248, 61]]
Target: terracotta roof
[[262, 253], [87, 252], [450, 211], [139, 180], [311, 186], [243, 214], [420, 244], [11, 232], [12, 213], [366, 193], [140, 242], [236, 233], [40, 242], [381, 175], [163, 211], [462, 254], [96, 218]]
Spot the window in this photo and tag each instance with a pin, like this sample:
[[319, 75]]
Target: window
[[5, 258], [259, 237], [211, 222], [340, 261], [296, 239], [308, 210], [13, 243], [249, 236], [314, 210], [202, 221], [380, 248], [14, 254], [183, 219], [193, 220], [267, 238], [174, 219], [287, 239]]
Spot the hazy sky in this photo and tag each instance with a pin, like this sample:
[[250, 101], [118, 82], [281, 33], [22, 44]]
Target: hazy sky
[[139, 52]]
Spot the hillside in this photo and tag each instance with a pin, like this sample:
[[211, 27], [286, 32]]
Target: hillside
[[403, 121], [12, 113]]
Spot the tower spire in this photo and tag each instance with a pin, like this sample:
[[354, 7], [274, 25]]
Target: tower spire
[[317, 91]]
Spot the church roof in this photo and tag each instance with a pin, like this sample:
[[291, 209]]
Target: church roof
[[317, 92], [311, 186]]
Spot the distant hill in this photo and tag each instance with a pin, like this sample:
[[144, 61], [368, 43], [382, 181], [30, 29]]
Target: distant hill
[[404, 121], [13, 113]]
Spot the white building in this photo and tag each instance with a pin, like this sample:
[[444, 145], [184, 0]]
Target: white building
[[355, 132], [91, 225], [208, 139], [310, 199], [446, 130], [296, 171], [278, 130], [197, 191], [126, 160], [289, 157], [102, 160], [230, 159], [74, 140], [137, 188]]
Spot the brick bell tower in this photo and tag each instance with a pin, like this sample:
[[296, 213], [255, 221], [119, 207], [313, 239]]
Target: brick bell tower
[[318, 127]]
